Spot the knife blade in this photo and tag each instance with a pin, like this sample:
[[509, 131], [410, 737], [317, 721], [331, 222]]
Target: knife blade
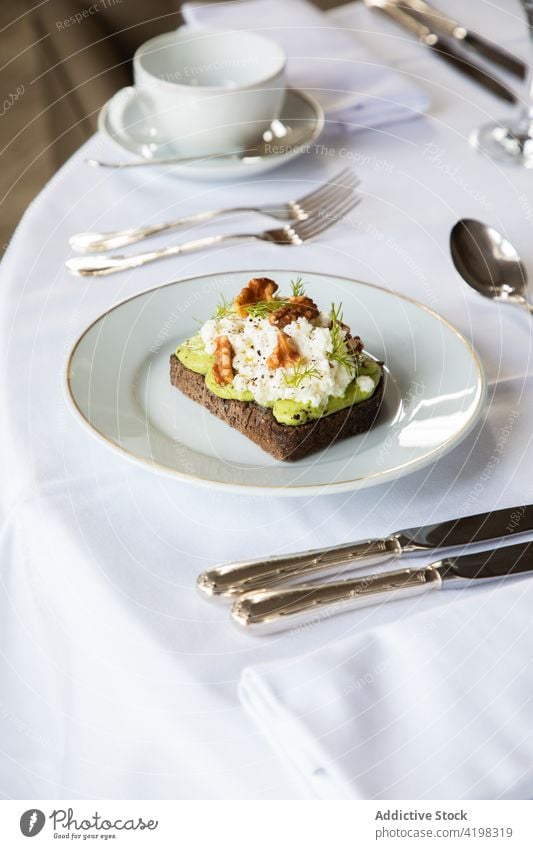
[[233, 578], [435, 19], [267, 611], [443, 48]]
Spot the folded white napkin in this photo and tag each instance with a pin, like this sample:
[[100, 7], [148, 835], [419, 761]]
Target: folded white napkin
[[433, 706], [353, 86]]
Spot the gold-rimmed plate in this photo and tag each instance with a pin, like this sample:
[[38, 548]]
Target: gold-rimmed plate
[[118, 384]]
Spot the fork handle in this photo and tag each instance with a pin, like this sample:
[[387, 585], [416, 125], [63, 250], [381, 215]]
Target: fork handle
[[98, 266], [109, 241]]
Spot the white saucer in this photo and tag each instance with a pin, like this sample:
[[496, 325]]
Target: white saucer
[[125, 122]]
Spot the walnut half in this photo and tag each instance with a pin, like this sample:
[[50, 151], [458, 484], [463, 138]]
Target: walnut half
[[257, 289], [354, 344], [299, 305], [223, 368], [284, 354]]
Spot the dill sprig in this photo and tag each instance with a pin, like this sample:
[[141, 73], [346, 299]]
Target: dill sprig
[[263, 308], [223, 309], [298, 287], [299, 373], [340, 352]]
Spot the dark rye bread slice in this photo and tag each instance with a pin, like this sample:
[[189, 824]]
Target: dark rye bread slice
[[284, 442]]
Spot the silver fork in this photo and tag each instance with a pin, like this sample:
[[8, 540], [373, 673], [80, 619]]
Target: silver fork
[[294, 210], [291, 234]]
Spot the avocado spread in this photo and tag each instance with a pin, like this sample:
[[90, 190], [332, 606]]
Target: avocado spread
[[193, 355]]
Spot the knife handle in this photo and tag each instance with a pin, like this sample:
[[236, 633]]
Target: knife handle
[[268, 611], [234, 578], [389, 7], [435, 18]]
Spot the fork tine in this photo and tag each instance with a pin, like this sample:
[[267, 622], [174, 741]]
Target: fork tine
[[350, 181], [318, 220], [332, 192], [343, 209], [327, 210], [340, 175], [323, 187], [326, 224], [346, 179], [320, 224], [341, 182], [339, 216]]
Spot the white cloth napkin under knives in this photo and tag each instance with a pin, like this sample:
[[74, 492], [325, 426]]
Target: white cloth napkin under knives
[[436, 710]]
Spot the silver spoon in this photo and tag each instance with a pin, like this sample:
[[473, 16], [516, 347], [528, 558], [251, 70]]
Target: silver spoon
[[278, 130], [250, 156], [489, 263]]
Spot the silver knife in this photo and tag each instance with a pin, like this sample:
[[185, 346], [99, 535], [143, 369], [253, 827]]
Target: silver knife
[[267, 611], [447, 26], [234, 578], [443, 47]]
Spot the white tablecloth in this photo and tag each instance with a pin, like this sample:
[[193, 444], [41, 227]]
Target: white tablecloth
[[117, 680]]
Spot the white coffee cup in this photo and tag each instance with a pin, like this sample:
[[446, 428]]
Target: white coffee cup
[[210, 91]]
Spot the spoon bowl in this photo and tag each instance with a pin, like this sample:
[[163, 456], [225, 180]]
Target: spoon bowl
[[489, 263]]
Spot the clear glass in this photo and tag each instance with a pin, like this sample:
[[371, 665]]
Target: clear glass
[[512, 141]]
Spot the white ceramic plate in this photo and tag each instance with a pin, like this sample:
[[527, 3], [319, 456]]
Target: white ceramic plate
[[123, 120], [118, 382]]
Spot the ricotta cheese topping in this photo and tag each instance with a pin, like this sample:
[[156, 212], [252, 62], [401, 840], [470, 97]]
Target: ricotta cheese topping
[[365, 383], [254, 339]]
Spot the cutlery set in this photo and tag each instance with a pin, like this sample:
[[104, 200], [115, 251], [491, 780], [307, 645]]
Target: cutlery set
[[461, 35], [308, 217], [447, 38], [294, 210], [278, 593]]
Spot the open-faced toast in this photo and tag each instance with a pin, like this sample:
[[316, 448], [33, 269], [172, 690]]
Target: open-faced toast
[[289, 377]]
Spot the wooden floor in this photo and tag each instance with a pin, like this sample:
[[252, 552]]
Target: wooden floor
[[57, 73]]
